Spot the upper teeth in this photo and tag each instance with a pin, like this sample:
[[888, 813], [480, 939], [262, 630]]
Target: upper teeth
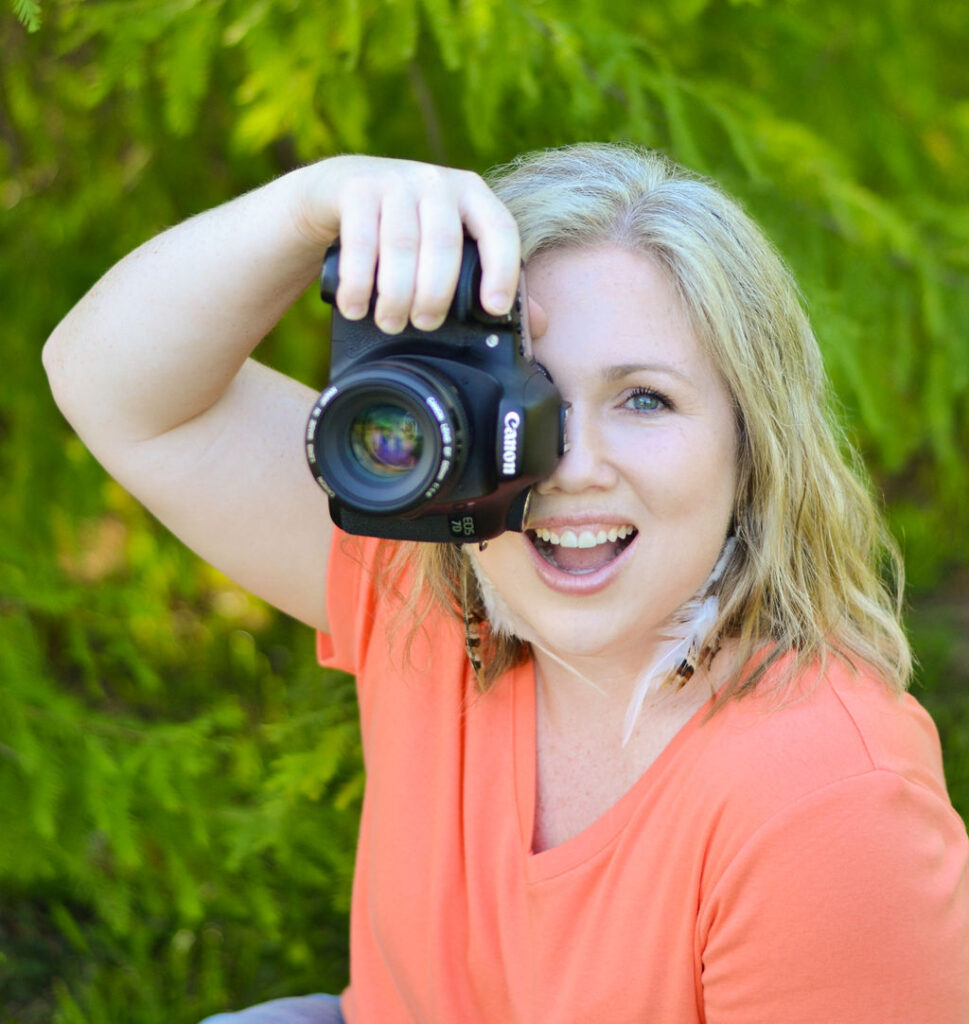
[[584, 538]]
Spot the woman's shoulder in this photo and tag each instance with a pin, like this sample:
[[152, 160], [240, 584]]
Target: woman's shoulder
[[894, 729], [838, 764], [834, 871], [829, 725]]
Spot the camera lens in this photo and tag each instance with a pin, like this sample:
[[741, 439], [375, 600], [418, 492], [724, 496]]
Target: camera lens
[[389, 438], [386, 440]]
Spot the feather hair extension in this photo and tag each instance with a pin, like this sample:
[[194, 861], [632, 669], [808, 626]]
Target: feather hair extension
[[503, 621], [678, 657], [472, 628]]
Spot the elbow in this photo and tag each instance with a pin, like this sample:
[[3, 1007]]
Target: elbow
[[63, 377], [51, 357]]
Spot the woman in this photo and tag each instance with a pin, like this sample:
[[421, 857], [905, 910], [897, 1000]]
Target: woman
[[679, 779]]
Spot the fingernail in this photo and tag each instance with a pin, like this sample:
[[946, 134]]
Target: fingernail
[[498, 302], [355, 312], [391, 325]]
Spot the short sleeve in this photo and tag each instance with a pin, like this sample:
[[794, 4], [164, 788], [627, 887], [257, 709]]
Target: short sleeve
[[852, 905], [350, 602]]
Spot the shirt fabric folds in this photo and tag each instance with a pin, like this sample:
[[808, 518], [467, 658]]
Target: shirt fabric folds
[[800, 863]]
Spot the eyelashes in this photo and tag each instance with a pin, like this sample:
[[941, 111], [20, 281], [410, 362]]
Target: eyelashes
[[647, 400]]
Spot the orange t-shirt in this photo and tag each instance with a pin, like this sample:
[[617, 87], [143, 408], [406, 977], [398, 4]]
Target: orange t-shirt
[[800, 864]]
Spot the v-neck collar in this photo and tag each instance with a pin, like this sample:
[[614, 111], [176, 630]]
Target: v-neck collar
[[559, 859]]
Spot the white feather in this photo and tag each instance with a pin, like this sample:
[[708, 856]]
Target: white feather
[[689, 627], [504, 622], [688, 631]]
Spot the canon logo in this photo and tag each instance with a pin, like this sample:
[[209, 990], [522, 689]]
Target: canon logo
[[509, 444]]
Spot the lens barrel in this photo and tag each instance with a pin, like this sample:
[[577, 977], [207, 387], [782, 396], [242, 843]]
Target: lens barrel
[[388, 438]]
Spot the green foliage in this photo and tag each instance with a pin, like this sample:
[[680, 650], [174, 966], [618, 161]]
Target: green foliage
[[28, 11], [179, 783]]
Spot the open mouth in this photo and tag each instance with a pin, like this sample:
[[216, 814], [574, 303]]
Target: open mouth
[[584, 550]]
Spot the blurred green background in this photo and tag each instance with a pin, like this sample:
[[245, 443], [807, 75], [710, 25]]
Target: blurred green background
[[179, 782]]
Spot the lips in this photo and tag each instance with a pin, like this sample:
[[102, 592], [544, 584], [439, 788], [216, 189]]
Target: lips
[[580, 558]]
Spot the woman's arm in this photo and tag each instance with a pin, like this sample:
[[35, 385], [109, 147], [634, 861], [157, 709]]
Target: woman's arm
[[850, 906], [152, 367]]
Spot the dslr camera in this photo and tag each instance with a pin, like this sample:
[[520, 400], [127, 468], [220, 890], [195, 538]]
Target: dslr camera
[[433, 435]]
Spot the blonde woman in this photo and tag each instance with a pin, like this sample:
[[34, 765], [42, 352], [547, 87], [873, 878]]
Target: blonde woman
[[679, 778]]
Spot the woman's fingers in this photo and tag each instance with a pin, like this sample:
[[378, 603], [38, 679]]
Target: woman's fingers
[[442, 244], [493, 227], [359, 224], [404, 222], [400, 239]]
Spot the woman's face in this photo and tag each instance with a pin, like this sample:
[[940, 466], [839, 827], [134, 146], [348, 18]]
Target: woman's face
[[631, 522]]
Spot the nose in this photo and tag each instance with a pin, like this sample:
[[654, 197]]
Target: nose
[[585, 464]]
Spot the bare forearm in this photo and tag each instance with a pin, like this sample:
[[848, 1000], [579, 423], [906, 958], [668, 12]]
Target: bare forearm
[[159, 338], [152, 368]]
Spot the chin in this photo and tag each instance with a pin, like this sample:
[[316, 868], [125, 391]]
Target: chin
[[569, 637], [502, 619]]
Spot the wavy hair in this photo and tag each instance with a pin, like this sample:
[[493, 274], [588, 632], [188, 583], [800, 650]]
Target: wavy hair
[[815, 571]]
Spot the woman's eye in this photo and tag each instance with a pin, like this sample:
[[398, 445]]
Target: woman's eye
[[646, 401]]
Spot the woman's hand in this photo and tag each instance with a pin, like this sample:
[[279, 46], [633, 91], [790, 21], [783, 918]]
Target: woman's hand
[[152, 367], [407, 221]]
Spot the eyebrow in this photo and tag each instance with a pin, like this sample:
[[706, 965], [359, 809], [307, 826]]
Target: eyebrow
[[621, 370]]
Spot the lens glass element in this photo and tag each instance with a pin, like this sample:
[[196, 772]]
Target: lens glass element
[[386, 440]]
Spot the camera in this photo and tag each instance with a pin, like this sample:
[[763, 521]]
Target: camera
[[433, 435]]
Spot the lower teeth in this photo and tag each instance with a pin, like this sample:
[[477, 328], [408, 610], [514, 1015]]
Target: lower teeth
[[580, 561]]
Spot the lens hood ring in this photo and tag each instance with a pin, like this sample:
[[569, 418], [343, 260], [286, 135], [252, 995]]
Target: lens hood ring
[[387, 439]]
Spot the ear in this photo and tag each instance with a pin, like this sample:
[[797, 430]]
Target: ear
[[537, 319]]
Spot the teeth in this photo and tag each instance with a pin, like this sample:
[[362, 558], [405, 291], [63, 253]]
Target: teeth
[[585, 538]]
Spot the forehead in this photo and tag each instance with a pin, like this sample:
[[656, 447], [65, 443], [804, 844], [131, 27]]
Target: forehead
[[610, 305]]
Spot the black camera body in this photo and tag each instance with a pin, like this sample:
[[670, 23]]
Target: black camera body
[[433, 435]]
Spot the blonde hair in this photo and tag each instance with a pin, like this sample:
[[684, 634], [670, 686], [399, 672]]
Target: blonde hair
[[814, 571]]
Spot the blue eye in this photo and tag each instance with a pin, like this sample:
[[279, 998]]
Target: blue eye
[[645, 400]]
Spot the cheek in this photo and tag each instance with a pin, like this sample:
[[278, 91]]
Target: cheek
[[495, 569], [718, 477], [498, 557], [727, 469], [692, 479]]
